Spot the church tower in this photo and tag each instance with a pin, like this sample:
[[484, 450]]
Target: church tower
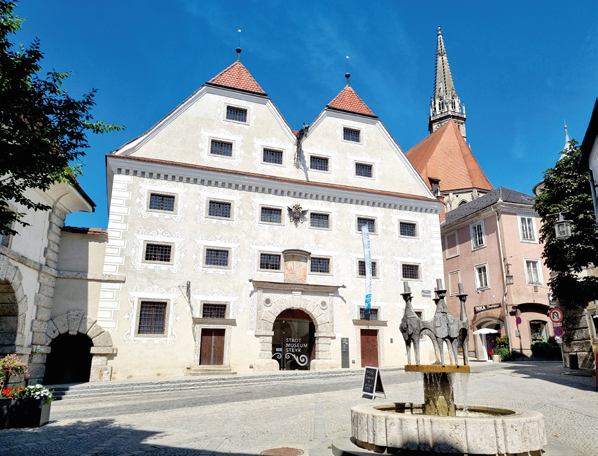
[[445, 104]]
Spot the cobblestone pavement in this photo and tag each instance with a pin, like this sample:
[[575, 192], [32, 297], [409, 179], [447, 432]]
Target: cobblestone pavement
[[305, 414]]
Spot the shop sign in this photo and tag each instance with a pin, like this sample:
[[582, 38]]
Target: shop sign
[[372, 384], [479, 309], [426, 293], [557, 324]]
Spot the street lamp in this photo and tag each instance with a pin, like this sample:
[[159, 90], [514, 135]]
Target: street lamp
[[562, 227]]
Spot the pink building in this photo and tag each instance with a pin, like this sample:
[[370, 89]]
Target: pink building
[[491, 245]]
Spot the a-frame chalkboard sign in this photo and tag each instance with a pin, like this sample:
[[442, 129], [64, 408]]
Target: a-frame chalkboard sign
[[372, 384]]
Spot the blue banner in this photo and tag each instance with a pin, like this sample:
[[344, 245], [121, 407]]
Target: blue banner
[[365, 234]]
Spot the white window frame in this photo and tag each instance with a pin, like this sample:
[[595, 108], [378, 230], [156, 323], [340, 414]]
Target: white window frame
[[167, 317], [214, 266], [230, 141], [243, 108], [354, 129], [319, 170], [330, 266], [267, 206], [158, 193], [456, 233], [534, 232], [471, 234], [419, 271], [477, 280], [361, 162], [232, 209], [259, 261], [456, 272], [144, 251], [538, 270], [274, 150], [412, 222]]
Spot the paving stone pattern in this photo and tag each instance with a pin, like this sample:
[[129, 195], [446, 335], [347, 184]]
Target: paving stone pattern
[[304, 414]]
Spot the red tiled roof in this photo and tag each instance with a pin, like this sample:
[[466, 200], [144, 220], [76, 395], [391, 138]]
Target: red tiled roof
[[92, 231], [237, 77], [446, 156], [348, 100]]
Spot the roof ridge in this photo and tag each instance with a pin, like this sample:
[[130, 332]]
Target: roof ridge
[[348, 100]]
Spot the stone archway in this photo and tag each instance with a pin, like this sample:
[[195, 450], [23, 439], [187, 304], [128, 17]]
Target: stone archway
[[77, 322], [319, 307], [481, 340], [14, 310]]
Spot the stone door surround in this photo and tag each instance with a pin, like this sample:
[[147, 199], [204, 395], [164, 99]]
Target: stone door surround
[[317, 301]]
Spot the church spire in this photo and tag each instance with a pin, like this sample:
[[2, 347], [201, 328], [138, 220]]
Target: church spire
[[445, 104]]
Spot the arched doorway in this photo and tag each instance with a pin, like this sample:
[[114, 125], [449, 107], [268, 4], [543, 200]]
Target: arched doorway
[[9, 314], [293, 342], [485, 342], [70, 359]]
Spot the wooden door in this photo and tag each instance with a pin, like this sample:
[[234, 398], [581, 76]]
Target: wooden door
[[369, 347], [212, 347]]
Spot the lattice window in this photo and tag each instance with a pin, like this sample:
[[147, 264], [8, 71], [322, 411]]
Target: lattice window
[[237, 114], [371, 223], [219, 209], [532, 269], [221, 148], [271, 215], [527, 229], [213, 311], [408, 229], [350, 134], [319, 220], [158, 252], [270, 261], [216, 257], [477, 235], [363, 170], [372, 316], [481, 276], [361, 268], [318, 163], [410, 271], [273, 156], [320, 265], [161, 202], [152, 317]]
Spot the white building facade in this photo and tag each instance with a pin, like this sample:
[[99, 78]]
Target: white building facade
[[240, 240]]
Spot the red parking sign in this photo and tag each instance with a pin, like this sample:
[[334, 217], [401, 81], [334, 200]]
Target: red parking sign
[[558, 331]]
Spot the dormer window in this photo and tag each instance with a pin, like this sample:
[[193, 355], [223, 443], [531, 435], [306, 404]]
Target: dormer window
[[349, 134], [236, 114]]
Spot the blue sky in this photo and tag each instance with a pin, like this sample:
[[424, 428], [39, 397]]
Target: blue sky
[[521, 68]]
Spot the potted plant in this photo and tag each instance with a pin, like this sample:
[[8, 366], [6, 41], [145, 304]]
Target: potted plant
[[21, 406]]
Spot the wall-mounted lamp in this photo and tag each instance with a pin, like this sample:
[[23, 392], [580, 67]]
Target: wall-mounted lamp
[[562, 227]]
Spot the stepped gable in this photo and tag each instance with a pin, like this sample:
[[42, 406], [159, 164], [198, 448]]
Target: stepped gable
[[446, 156], [348, 100], [237, 77]]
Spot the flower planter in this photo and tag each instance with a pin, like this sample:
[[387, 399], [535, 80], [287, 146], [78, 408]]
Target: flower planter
[[17, 413]]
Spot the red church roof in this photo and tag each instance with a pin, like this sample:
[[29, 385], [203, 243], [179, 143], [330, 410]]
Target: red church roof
[[237, 77], [348, 100], [446, 156]]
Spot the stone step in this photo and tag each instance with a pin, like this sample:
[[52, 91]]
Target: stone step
[[211, 370], [195, 382]]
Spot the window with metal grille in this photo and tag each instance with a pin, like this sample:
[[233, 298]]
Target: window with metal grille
[[477, 235], [320, 265], [219, 209], [410, 271], [158, 252], [213, 311], [152, 317], [273, 156], [363, 170], [221, 148], [351, 135], [270, 261], [318, 163], [161, 202], [371, 223], [361, 268], [238, 114], [373, 314], [319, 220], [216, 257], [408, 229], [481, 276], [271, 215], [527, 229]]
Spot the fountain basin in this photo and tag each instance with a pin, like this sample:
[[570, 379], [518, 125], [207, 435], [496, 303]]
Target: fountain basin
[[480, 430]]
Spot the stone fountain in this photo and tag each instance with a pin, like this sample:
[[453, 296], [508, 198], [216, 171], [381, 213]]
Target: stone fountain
[[439, 425]]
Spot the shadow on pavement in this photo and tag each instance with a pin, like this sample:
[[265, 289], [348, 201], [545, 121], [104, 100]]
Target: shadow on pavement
[[553, 372], [98, 438]]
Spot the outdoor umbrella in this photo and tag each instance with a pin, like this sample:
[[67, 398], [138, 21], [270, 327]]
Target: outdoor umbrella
[[486, 331]]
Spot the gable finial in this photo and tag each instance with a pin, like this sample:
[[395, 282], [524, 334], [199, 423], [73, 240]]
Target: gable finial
[[347, 74], [239, 48]]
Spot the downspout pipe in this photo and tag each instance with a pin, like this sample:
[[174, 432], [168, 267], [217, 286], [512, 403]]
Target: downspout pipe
[[504, 277]]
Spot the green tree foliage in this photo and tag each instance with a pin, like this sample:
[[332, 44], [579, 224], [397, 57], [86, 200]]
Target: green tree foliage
[[42, 129], [567, 190]]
